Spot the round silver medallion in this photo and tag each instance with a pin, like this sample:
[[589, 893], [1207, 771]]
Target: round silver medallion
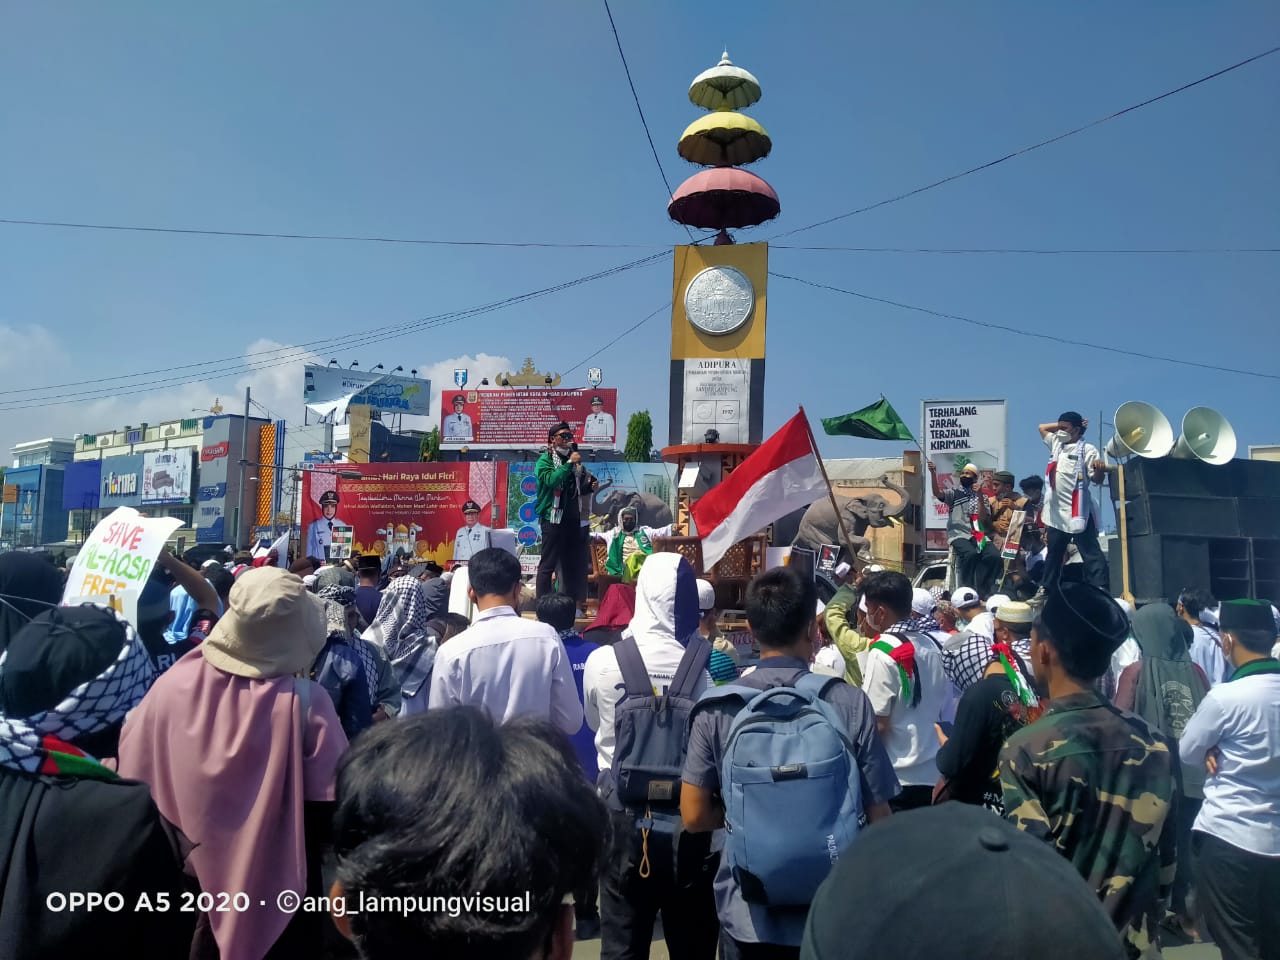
[[719, 300]]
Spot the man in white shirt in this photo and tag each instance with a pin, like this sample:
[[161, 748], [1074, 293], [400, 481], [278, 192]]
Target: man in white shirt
[[906, 684], [1235, 734], [599, 425], [1206, 643], [638, 883], [505, 664], [473, 536], [1068, 514], [457, 425]]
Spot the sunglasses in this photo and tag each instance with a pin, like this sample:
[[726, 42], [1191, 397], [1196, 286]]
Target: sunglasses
[[564, 436]]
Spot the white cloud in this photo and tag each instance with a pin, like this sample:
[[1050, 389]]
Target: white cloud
[[478, 366], [276, 385]]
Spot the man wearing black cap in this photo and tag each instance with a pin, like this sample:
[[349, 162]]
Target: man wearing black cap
[[1097, 783], [1235, 735], [473, 536], [320, 532], [562, 483], [457, 425], [599, 425], [1068, 507], [1004, 503], [368, 595], [952, 882]]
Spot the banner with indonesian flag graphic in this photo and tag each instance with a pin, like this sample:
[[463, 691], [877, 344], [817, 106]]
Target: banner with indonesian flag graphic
[[782, 475]]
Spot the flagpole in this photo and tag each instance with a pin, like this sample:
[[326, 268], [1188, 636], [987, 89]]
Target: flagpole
[[813, 445]]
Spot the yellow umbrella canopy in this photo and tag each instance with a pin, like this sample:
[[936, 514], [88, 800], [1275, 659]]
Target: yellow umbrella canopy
[[724, 138], [724, 87]]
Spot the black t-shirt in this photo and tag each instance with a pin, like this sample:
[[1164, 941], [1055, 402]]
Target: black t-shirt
[[985, 717]]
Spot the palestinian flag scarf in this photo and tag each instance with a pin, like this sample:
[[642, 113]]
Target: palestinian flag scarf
[[903, 653]]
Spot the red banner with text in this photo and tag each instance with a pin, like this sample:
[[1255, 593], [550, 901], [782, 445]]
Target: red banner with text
[[519, 418], [407, 510]]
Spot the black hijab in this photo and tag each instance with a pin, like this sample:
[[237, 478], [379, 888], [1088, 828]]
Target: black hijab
[[29, 585]]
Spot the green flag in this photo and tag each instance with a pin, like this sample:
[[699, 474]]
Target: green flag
[[876, 422]]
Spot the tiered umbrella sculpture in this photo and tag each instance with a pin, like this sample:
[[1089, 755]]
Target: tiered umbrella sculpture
[[724, 140]]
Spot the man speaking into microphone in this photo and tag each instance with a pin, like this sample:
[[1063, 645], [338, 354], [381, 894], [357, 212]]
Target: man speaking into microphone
[[1068, 513], [562, 482]]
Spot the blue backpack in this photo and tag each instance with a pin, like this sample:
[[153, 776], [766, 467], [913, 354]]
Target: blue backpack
[[650, 730], [792, 789]]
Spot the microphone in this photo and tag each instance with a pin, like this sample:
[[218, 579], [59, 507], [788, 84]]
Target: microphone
[[577, 467]]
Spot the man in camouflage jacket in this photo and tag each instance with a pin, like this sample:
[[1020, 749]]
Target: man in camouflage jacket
[[1097, 783]]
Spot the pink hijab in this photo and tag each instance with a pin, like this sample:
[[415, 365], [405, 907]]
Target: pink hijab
[[230, 761]]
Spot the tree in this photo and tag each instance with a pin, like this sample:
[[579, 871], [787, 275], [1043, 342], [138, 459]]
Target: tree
[[639, 438], [429, 449]]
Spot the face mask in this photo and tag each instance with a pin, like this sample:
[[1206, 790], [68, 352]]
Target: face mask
[[1063, 436], [967, 481], [562, 450], [628, 524]]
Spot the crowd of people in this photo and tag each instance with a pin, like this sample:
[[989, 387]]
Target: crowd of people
[[980, 518], [323, 761]]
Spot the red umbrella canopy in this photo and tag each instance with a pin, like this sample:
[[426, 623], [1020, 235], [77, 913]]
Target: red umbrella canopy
[[723, 197]]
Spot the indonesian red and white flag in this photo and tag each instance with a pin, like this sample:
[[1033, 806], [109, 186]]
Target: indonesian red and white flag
[[781, 476]]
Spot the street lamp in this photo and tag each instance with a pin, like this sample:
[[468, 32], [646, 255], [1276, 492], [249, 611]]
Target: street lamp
[[377, 366], [400, 370], [354, 364], [333, 363]]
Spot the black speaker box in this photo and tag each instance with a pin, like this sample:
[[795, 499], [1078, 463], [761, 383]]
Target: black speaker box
[[1231, 568]]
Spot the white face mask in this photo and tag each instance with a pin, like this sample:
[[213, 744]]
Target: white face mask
[[1063, 436], [563, 451]]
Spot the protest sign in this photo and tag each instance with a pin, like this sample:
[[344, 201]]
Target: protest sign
[[1014, 538], [954, 434], [117, 559], [828, 554]]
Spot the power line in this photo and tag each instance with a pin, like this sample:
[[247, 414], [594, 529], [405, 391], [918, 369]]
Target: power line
[[1148, 251], [281, 356], [1034, 146], [1027, 333], [630, 329], [263, 235], [640, 110]]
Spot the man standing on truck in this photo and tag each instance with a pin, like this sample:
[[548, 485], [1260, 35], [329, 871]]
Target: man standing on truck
[[1068, 513], [969, 517]]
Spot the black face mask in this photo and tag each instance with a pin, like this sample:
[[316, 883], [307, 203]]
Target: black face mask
[[628, 525], [967, 481]]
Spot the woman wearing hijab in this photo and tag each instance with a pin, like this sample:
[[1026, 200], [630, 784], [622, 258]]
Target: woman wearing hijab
[[242, 755], [400, 631], [67, 822], [616, 610], [29, 585], [1164, 688], [347, 672]]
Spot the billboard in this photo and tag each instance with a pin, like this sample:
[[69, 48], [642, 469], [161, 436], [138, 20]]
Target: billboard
[[121, 479], [327, 390], [400, 509], [166, 476], [955, 433], [653, 484], [217, 497], [516, 417]]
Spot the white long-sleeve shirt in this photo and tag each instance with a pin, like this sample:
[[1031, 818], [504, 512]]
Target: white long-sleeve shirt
[[509, 667], [1206, 653], [1242, 800]]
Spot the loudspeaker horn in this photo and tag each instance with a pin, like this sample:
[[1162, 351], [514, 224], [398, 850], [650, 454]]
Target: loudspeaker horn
[[1207, 436], [1141, 430]]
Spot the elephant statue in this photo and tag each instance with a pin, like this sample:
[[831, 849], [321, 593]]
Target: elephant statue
[[653, 510], [818, 525]]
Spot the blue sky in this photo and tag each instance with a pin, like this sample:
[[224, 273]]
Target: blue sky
[[513, 121]]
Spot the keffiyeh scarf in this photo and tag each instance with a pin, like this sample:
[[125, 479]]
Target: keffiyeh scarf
[[400, 629], [41, 743], [338, 599]]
